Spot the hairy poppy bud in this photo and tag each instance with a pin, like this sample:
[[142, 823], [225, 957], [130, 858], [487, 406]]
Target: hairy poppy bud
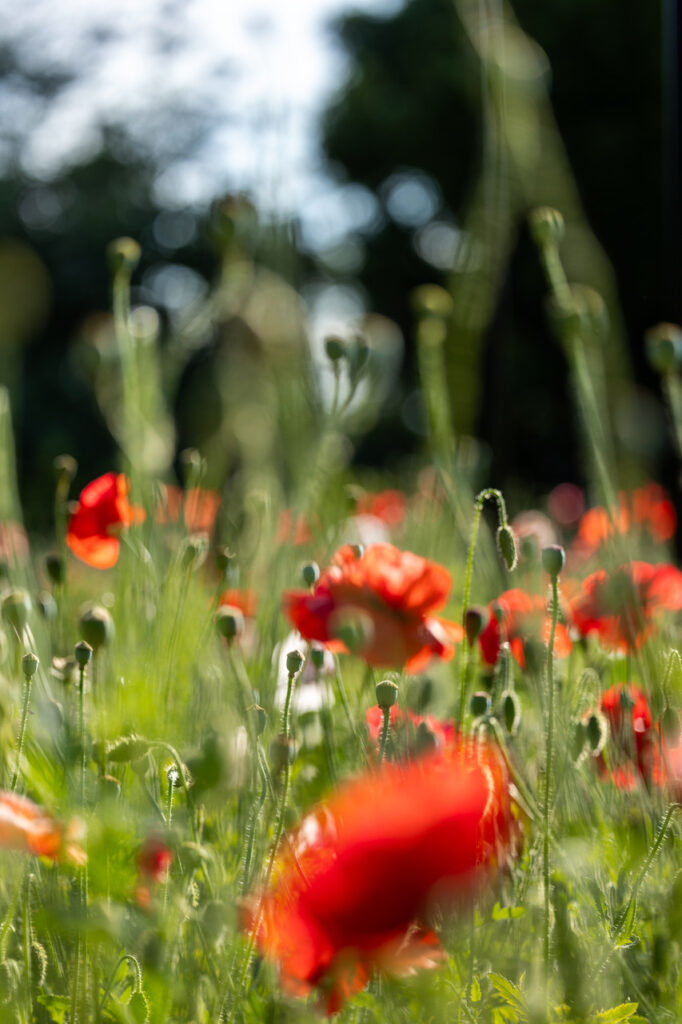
[[15, 609], [229, 622], [335, 348], [511, 711], [480, 704], [124, 254], [138, 1007], [596, 732], [670, 726], [29, 665], [83, 653], [54, 567], [387, 694], [546, 226], [506, 545], [553, 559], [664, 347], [310, 573], [96, 626], [578, 740], [475, 619], [294, 661]]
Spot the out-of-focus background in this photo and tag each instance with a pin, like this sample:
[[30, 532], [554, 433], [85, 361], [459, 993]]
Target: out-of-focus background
[[378, 153]]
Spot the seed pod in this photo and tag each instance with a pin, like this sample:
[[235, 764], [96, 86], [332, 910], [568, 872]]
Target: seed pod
[[546, 226], [310, 573], [54, 567], [553, 559], [387, 694], [229, 622], [664, 347], [96, 627], [475, 619], [480, 704], [124, 254], [29, 665], [15, 609], [83, 653], [335, 348], [294, 661]]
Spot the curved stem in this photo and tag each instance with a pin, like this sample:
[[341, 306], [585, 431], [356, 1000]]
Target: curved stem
[[549, 767], [22, 731]]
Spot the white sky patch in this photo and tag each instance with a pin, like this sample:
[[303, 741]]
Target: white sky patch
[[262, 69]]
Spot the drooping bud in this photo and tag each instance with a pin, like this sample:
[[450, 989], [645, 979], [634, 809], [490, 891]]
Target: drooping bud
[[54, 567], [511, 711], [82, 653], [15, 609], [553, 560], [138, 1008], [480, 704], [546, 226], [387, 694], [124, 254], [596, 732], [29, 665], [664, 347], [229, 622], [310, 573], [335, 348], [506, 545], [294, 661], [475, 619], [96, 626]]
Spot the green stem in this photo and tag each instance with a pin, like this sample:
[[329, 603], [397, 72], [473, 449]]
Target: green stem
[[138, 977], [549, 768], [26, 934], [22, 731], [385, 729]]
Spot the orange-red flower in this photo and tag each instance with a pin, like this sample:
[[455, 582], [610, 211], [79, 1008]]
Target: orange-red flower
[[516, 617], [353, 890], [406, 724], [393, 592], [197, 507], [26, 826], [648, 510], [633, 743], [245, 600], [103, 511], [389, 506], [620, 606]]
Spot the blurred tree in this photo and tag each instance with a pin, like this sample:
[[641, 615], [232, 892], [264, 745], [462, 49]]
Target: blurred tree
[[408, 125]]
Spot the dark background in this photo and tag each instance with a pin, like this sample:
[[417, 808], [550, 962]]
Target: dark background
[[411, 105]]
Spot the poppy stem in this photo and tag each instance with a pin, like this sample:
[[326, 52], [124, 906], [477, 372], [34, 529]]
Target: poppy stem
[[549, 768], [22, 730], [385, 729]]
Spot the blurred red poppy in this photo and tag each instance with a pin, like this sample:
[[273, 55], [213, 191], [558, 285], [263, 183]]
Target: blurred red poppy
[[620, 606], [103, 511], [293, 530], [632, 747], [245, 600], [353, 890], [389, 506], [516, 617], [648, 509], [197, 507], [392, 593], [26, 826], [434, 734]]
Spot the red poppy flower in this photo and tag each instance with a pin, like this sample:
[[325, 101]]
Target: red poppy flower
[[515, 617], [154, 858], [26, 826], [353, 889], [648, 510], [393, 592], [389, 506], [620, 606], [103, 511], [245, 600], [633, 743], [292, 530], [198, 508]]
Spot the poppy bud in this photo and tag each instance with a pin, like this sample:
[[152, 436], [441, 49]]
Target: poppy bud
[[310, 573], [193, 551], [229, 622], [281, 751], [511, 711], [506, 545], [357, 354], [124, 254], [578, 740], [54, 567], [664, 347], [127, 748], [480, 704], [259, 717], [431, 300], [596, 732], [670, 726], [294, 661], [29, 665], [546, 226], [96, 627], [47, 606], [83, 653], [223, 557], [387, 694], [475, 619], [65, 468], [317, 657], [553, 559], [15, 609], [138, 1008], [335, 348]]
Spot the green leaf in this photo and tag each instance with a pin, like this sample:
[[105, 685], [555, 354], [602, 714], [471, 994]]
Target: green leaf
[[57, 1006], [475, 991], [511, 992], [505, 913], [616, 1014]]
